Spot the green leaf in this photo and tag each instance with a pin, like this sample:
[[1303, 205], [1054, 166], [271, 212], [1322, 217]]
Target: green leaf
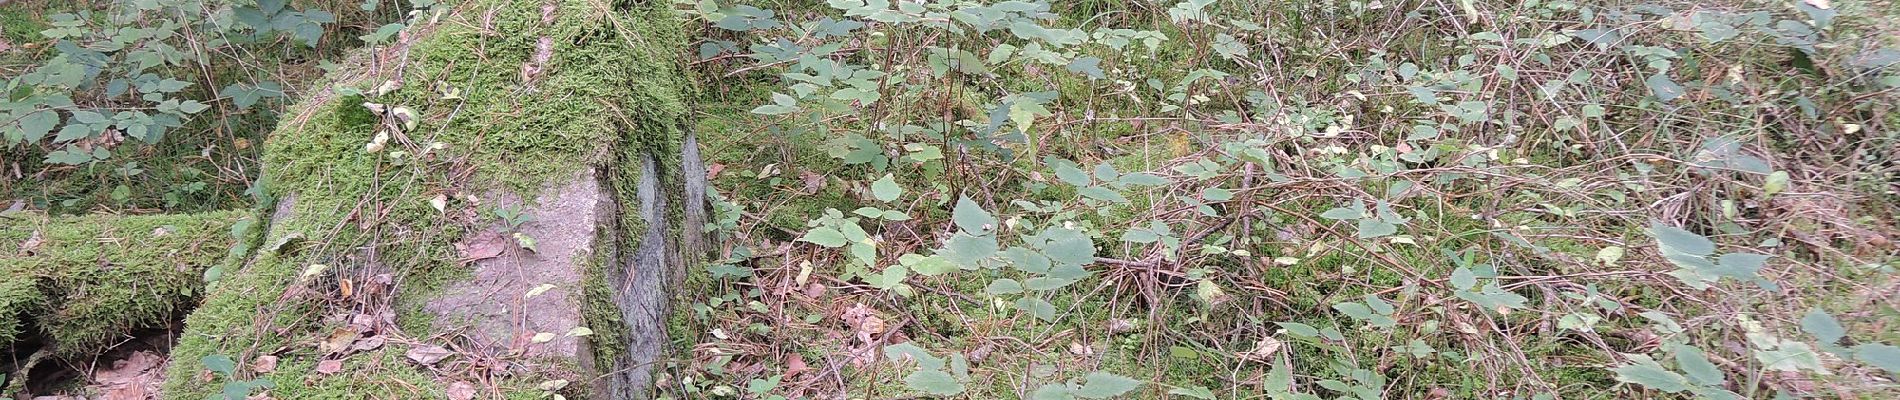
[[1790, 356], [1739, 265], [1664, 89], [1070, 174], [966, 250], [219, 363], [1777, 181], [1091, 66], [1193, 391], [908, 350], [971, 217], [1052, 391], [1463, 279], [1102, 385], [1697, 365], [1823, 326], [1652, 376], [1879, 355], [1037, 307], [1299, 329], [1143, 179], [1103, 194], [927, 266], [886, 189], [1355, 310], [1600, 37], [1069, 246], [934, 381], [1681, 241], [1004, 286], [1340, 213], [1371, 228], [825, 236]]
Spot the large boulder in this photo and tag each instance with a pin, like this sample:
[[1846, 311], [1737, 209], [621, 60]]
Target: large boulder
[[497, 203]]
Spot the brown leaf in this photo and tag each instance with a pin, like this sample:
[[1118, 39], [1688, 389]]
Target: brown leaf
[[428, 355], [367, 344], [327, 367], [338, 341], [461, 390], [796, 366], [264, 364], [485, 245]]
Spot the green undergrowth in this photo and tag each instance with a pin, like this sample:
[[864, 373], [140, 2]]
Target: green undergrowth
[[358, 162], [84, 283], [205, 159], [1410, 200]]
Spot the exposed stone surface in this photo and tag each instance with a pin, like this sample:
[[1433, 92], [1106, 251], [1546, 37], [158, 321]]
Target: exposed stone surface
[[494, 307]]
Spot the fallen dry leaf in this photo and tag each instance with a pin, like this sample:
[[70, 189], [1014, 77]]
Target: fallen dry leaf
[[338, 341], [485, 245], [327, 367], [428, 355], [461, 390], [367, 344], [264, 364], [796, 365], [137, 377]]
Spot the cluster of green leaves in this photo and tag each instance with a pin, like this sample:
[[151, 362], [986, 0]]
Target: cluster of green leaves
[[124, 72], [233, 388]]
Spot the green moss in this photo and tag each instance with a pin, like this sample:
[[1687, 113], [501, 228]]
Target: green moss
[[608, 92], [83, 282]]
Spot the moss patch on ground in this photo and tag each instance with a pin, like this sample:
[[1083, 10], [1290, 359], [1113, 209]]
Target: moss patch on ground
[[85, 282]]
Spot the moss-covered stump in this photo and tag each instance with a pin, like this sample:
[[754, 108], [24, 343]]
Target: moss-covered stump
[[494, 207], [78, 285]]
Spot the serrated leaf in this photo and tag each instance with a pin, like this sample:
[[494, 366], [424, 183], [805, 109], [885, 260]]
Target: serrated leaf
[[1069, 246], [1102, 385], [966, 250], [1371, 229], [1697, 365], [219, 363], [825, 236], [971, 217], [886, 189]]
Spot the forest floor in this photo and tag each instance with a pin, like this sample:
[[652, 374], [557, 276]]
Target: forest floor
[[1249, 199]]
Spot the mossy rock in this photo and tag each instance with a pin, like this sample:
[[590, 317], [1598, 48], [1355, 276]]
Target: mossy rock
[[386, 202], [83, 283]]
